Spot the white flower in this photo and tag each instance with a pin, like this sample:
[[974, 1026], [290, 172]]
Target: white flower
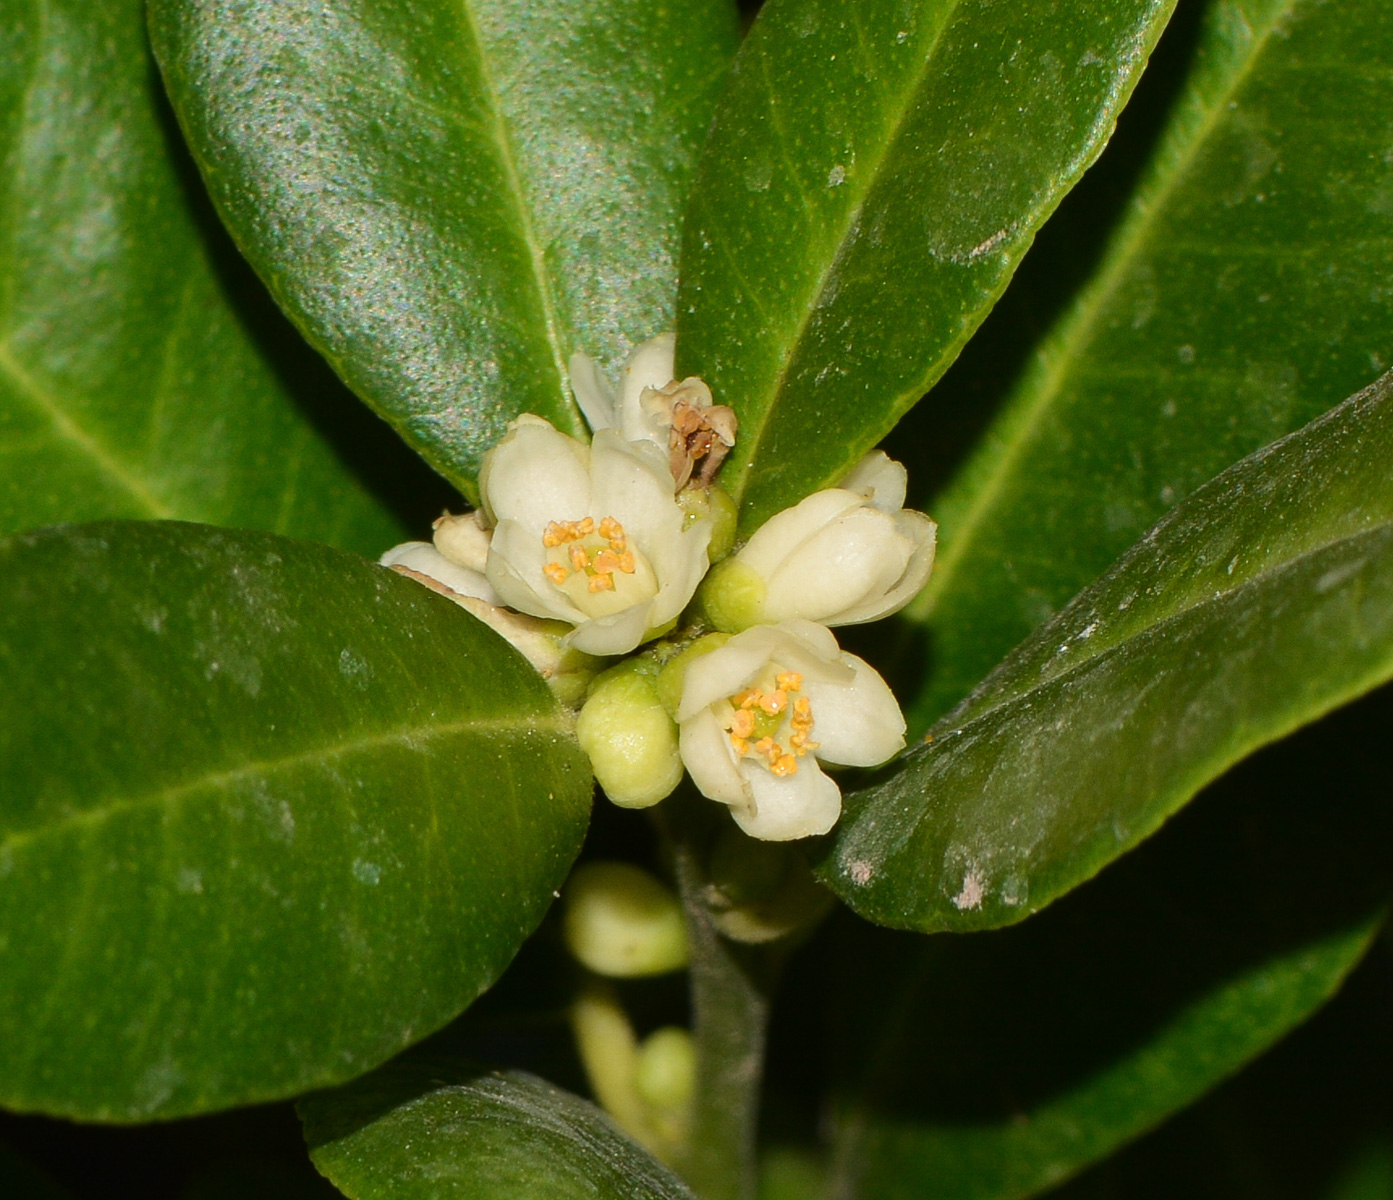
[[759, 713], [421, 558], [590, 535], [842, 556], [680, 418]]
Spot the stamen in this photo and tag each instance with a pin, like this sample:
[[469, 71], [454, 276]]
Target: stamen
[[584, 528], [580, 559], [601, 583], [774, 702], [790, 681], [606, 562], [555, 534], [785, 766], [556, 573], [746, 699], [743, 723], [626, 559]]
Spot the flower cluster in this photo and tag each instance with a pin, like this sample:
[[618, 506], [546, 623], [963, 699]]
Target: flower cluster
[[585, 551]]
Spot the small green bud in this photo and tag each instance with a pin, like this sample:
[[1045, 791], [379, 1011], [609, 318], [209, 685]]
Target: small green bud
[[621, 922], [732, 596], [715, 504], [665, 1073], [629, 736], [674, 672], [763, 891]]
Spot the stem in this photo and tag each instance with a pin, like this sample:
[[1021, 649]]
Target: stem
[[731, 986]]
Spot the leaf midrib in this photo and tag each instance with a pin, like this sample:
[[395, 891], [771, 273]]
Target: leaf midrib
[[1211, 599], [1079, 329], [403, 735], [853, 216], [503, 143]]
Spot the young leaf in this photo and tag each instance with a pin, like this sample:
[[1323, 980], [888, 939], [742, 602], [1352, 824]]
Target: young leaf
[[1262, 601], [874, 175], [136, 378], [268, 814], [451, 198], [1011, 1060], [425, 1130], [1245, 288]]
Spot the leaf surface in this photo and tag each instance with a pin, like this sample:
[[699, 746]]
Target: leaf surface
[[139, 375], [269, 813], [451, 197], [424, 1130], [1259, 603], [1244, 288], [990, 1067], [874, 175]]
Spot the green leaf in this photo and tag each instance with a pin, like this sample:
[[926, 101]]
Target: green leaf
[[1262, 601], [451, 198], [268, 814], [1246, 286], [989, 1067], [139, 375], [874, 175], [426, 1130]]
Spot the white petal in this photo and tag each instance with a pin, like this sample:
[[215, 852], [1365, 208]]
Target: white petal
[[463, 539], [856, 725], [880, 479], [425, 558], [680, 562], [617, 633], [795, 806], [536, 475], [631, 482], [799, 646], [593, 393], [649, 366], [710, 760], [780, 537], [857, 557], [923, 533], [516, 558]]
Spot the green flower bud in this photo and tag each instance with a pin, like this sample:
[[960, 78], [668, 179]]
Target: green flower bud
[[732, 596], [674, 672], [629, 736], [621, 922], [763, 891], [665, 1073], [714, 504]]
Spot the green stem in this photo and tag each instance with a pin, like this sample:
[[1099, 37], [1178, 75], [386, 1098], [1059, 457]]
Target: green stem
[[731, 985]]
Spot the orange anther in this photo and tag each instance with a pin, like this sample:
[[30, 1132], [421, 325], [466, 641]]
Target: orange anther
[[774, 702], [601, 583], [555, 534], [606, 562], [610, 528], [790, 680], [584, 528], [784, 766], [743, 723], [742, 747], [626, 560], [746, 699], [580, 559], [555, 572]]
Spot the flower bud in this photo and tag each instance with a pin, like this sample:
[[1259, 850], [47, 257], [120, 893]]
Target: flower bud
[[674, 671], [665, 1071], [842, 556], [630, 737], [622, 922], [463, 539]]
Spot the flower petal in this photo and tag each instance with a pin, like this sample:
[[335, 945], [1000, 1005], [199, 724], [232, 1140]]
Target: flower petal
[[794, 806], [880, 480], [710, 760], [593, 393], [536, 475], [855, 558], [649, 366], [923, 534], [425, 558], [515, 571], [630, 481], [798, 646], [856, 725], [781, 537], [617, 633]]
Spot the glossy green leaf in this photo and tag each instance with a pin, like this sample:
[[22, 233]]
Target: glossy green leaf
[[139, 375], [452, 198], [1245, 289], [268, 814], [873, 177], [427, 1130], [1262, 601], [989, 1067]]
